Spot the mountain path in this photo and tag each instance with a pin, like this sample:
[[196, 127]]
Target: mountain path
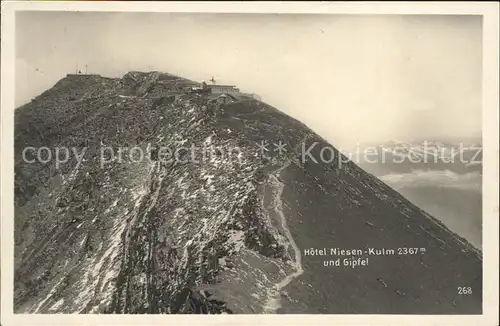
[[273, 302], [274, 295]]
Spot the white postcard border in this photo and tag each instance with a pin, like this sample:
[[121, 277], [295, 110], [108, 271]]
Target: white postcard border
[[489, 11]]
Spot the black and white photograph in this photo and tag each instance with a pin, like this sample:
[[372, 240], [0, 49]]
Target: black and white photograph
[[248, 163]]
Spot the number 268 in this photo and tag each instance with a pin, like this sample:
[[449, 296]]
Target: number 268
[[464, 290]]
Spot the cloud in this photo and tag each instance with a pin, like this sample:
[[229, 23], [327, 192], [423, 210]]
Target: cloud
[[435, 178]]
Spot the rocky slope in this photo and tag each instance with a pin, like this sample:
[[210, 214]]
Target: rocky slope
[[230, 231]]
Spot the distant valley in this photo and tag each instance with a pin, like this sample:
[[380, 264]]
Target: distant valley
[[443, 178]]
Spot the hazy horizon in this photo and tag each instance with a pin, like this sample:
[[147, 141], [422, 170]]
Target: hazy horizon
[[350, 78]]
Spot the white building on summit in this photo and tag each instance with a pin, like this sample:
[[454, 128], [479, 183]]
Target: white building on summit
[[220, 89], [232, 91]]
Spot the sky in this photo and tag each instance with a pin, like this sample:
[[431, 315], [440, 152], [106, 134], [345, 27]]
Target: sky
[[350, 78]]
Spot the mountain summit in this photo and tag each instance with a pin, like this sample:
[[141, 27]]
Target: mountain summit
[[145, 194]]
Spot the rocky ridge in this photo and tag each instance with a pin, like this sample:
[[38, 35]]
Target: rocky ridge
[[182, 236]]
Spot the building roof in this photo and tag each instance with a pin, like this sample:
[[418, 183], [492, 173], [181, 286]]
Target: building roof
[[211, 85]]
